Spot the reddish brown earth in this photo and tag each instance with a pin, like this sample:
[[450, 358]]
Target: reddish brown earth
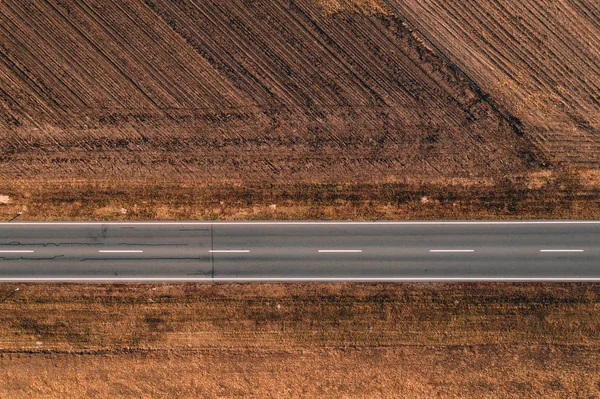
[[227, 91], [295, 94], [539, 60]]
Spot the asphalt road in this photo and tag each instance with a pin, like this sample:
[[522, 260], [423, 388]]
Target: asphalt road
[[301, 251]]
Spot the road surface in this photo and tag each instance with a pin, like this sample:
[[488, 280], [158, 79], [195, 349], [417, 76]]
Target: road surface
[[301, 251]]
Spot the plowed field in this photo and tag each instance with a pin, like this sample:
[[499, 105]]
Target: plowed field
[[273, 91], [539, 59], [282, 93]]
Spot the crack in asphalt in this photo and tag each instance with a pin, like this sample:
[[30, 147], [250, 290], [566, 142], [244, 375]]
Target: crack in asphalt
[[199, 274], [132, 258], [25, 258], [12, 243], [151, 245], [15, 243]]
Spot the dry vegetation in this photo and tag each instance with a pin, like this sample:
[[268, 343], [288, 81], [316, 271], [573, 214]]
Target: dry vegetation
[[542, 195], [313, 340]]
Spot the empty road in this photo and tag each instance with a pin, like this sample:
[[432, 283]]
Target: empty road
[[301, 251]]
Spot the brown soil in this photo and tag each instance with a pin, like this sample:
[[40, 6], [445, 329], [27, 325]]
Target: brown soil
[[298, 97], [300, 340], [539, 60], [227, 91]]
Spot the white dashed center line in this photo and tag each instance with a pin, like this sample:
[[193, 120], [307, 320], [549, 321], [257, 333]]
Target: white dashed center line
[[561, 250], [120, 251], [229, 251], [340, 250], [16, 251], [451, 250]]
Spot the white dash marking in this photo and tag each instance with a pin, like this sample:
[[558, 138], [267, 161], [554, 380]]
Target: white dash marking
[[451, 250], [561, 250], [16, 251], [120, 251], [228, 251], [340, 250]]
